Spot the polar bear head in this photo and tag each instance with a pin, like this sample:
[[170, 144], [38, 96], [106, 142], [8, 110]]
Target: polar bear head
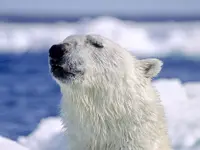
[[83, 59]]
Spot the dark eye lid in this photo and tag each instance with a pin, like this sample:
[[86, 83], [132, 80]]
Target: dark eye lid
[[95, 42]]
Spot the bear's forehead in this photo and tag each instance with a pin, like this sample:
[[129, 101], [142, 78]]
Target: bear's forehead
[[81, 39], [77, 38]]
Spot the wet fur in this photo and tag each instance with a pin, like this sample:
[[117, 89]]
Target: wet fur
[[114, 106]]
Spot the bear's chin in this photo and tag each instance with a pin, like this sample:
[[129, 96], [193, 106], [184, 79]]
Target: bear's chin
[[65, 76]]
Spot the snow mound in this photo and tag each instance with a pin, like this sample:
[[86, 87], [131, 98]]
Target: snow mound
[[6, 144]]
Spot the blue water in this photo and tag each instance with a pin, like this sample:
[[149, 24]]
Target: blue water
[[28, 93]]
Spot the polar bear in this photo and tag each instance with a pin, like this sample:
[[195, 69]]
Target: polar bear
[[108, 101]]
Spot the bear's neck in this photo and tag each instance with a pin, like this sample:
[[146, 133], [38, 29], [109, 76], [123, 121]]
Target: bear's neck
[[90, 105], [106, 114]]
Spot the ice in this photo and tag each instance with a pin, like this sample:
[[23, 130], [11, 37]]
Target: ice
[[6, 144], [182, 112], [181, 102], [143, 39], [192, 90], [48, 136]]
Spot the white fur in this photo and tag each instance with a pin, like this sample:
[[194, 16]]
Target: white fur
[[151, 67], [115, 107]]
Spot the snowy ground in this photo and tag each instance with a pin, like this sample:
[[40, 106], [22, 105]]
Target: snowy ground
[[181, 103]]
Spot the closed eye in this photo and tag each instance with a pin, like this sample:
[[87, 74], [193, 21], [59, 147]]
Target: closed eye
[[97, 44], [94, 42]]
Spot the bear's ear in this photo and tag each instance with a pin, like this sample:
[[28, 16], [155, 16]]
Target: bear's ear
[[151, 67]]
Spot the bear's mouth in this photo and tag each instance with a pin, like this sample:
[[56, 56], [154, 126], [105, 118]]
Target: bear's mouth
[[64, 74], [58, 71], [64, 69]]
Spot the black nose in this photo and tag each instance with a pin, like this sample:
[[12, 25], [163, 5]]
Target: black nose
[[56, 51]]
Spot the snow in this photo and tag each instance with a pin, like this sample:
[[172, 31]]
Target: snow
[[182, 111], [6, 144], [143, 39], [49, 131], [181, 102]]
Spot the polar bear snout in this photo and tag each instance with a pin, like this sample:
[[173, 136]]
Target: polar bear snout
[[63, 65], [56, 51]]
